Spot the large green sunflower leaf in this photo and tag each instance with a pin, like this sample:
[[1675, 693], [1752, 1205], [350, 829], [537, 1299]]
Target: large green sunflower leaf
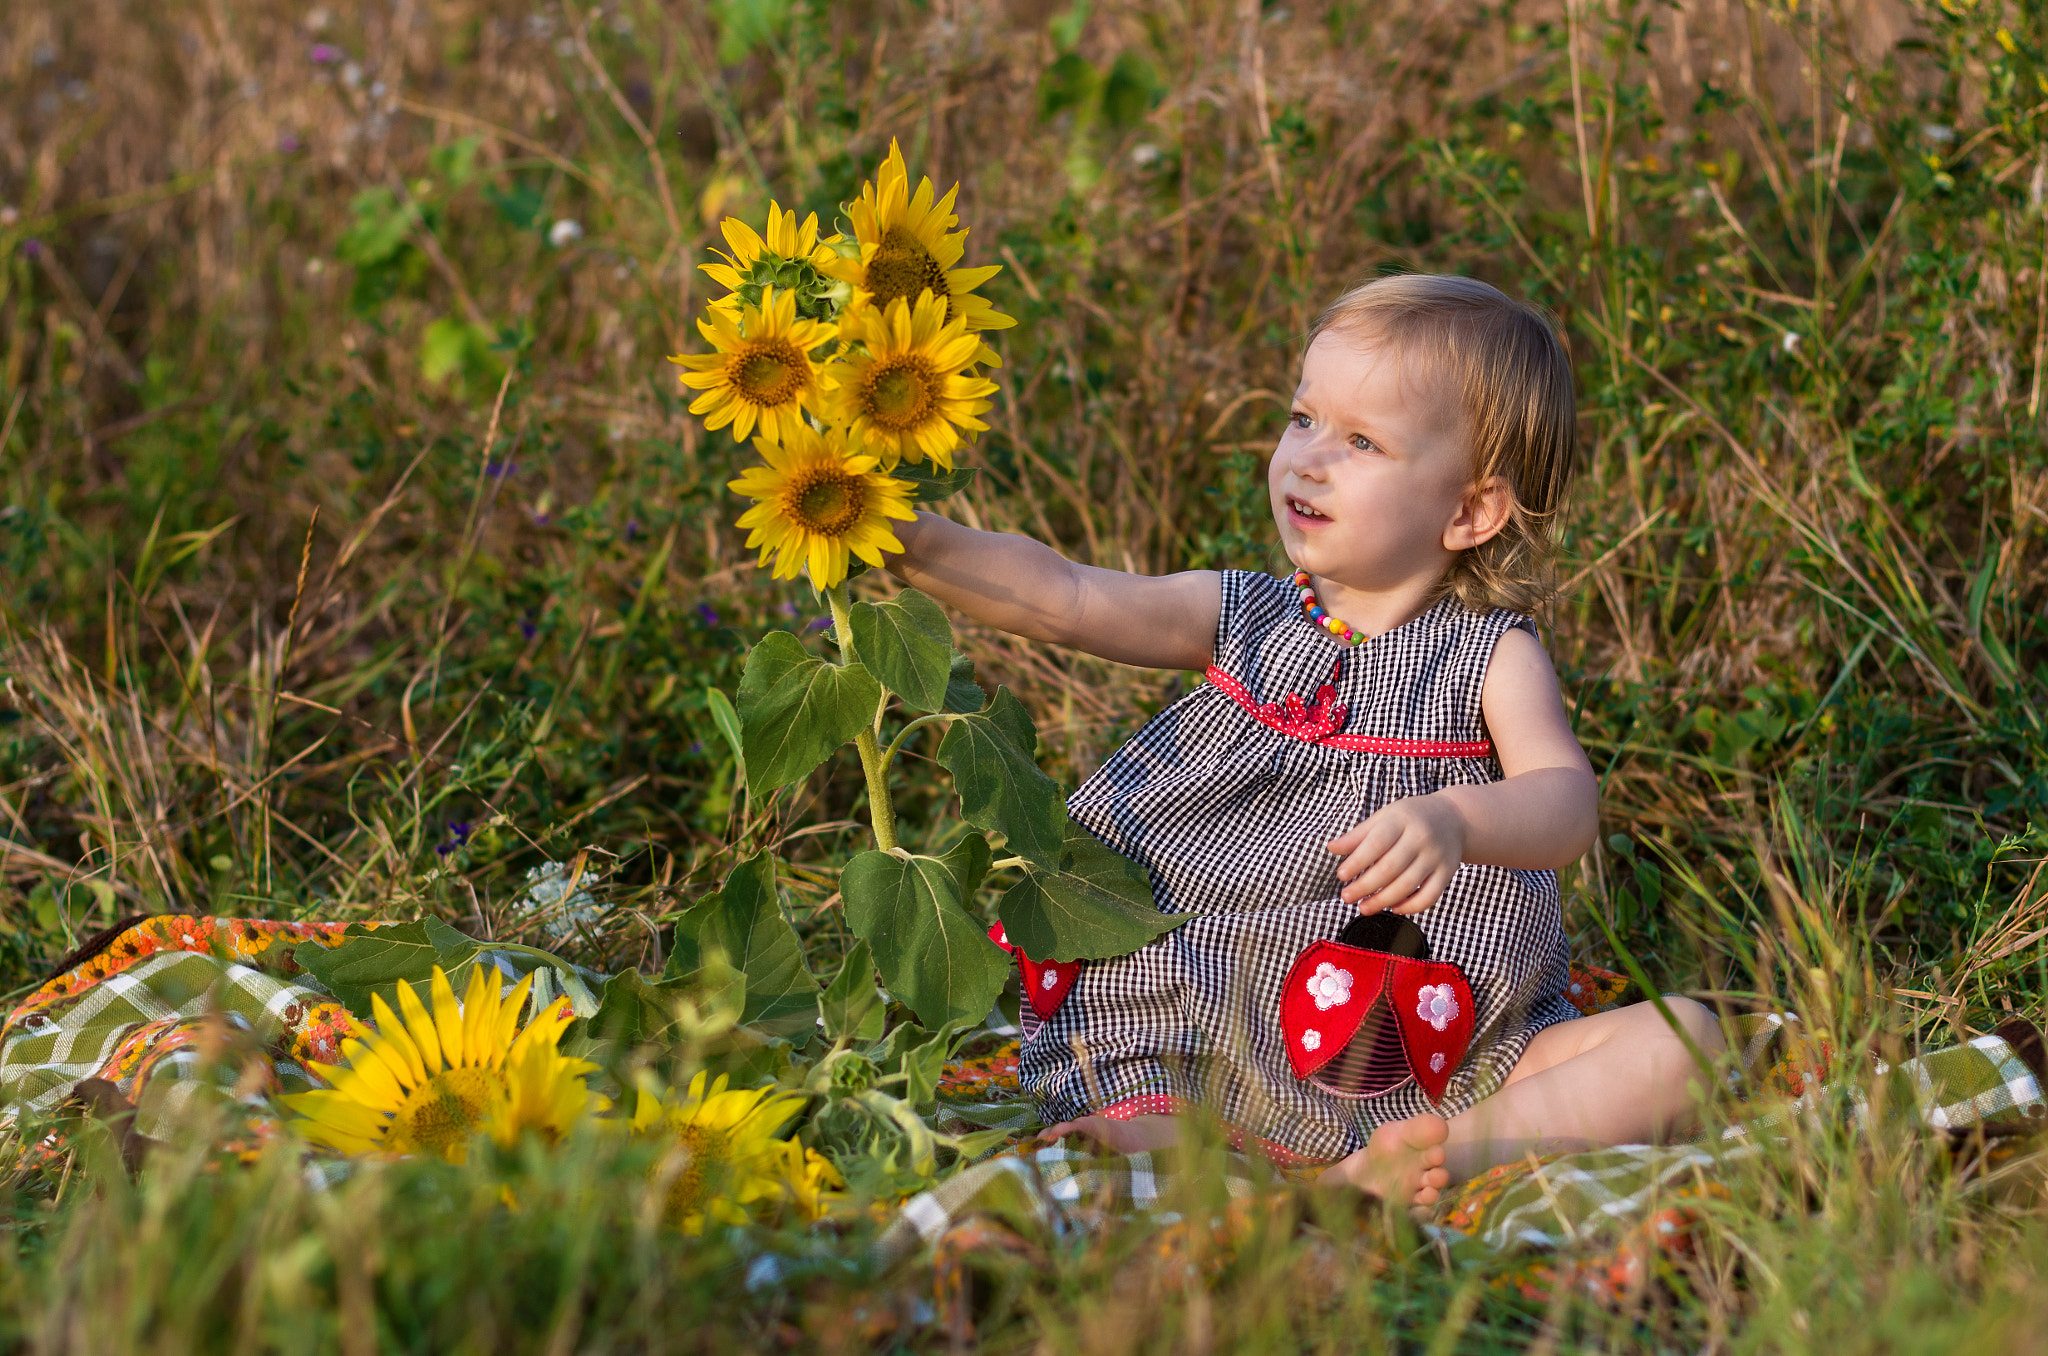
[[744, 920], [992, 755], [853, 1006], [375, 960], [908, 644], [963, 695], [929, 484], [1097, 904], [796, 709], [933, 954]]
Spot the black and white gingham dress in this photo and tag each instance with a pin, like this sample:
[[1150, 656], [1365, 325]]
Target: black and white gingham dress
[[1230, 816]]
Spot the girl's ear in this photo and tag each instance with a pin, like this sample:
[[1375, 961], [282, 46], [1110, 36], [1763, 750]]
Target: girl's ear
[[1481, 514]]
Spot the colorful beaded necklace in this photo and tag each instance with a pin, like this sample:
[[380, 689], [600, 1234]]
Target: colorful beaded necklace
[[1335, 626]]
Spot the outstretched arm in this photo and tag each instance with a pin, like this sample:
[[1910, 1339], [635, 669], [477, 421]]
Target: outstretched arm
[[1025, 587], [1542, 815]]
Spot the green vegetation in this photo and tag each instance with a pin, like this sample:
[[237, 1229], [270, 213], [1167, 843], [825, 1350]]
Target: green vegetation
[[358, 559]]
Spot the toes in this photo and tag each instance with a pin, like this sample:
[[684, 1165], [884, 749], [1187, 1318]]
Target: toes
[[1427, 1196], [1436, 1177]]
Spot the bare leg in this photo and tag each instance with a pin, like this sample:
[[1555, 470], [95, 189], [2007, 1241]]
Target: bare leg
[[1134, 1135], [1621, 1077]]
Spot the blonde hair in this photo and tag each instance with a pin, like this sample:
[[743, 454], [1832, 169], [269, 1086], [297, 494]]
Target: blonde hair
[[1514, 379]]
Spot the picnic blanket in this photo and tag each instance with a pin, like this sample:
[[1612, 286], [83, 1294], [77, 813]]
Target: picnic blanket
[[167, 1009], [1620, 1210]]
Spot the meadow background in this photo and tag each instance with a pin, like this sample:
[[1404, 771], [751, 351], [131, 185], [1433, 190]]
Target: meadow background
[[357, 557]]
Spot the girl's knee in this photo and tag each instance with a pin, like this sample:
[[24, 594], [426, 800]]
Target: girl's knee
[[1695, 1020]]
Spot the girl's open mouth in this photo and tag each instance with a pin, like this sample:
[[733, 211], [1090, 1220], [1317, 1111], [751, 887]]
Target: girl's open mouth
[[1305, 512]]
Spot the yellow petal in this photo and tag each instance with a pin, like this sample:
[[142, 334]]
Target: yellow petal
[[392, 1031], [419, 1024]]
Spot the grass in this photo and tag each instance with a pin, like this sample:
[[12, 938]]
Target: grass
[[359, 558]]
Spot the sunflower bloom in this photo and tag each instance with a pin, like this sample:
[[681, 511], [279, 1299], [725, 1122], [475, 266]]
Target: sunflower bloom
[[727, 1161], [429, 1081], [790, 258], [908, 395], [816, 504], [761, 373], [905, 249]]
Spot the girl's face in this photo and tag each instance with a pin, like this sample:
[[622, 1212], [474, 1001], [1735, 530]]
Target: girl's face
[[1372, 480]]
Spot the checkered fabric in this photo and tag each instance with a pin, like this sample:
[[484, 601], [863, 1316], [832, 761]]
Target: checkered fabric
[[1230, 817], [1538, 1203], [175, 1021]]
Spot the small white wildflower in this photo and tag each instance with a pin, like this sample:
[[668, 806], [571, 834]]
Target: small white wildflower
[[1144, 155], [1790, 341], [565, 232]]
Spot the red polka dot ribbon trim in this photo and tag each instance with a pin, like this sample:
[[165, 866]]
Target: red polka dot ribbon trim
[[1319, 722]]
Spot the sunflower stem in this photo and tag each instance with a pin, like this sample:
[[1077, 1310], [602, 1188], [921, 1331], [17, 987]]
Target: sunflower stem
[[881, 809]]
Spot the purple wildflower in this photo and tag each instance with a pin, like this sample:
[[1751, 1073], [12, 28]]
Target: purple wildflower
[[707, 614], [632, 528], [32, 248], [458, 834], [527, 628], [696, 746], [325, 54], [819, 623], [288, 143], [498, 470], [788, 608]]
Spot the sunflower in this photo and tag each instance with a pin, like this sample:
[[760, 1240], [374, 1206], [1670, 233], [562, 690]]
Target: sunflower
[[905, 249], [816, 503], [907, 396], [430, 1082], [790, 258], [762, 371], [726, 1156]]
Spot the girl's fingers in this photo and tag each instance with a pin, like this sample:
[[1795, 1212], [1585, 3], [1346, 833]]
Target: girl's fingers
[[1389, 869], [1432, 890], [1402, 888], [1349, 839], [1374, 842]]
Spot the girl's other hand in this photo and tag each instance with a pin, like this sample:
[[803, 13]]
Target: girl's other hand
[[1403, 857]]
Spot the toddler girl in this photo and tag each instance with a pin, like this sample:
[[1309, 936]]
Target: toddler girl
[[1382, 732]]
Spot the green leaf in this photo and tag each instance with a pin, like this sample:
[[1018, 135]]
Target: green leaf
[[1098, 904], [745, 24], [908, 644], [928, 484], [745, 921], [728, 722], [795, 710], [634, 1011], [853, 1006], [993, 758], [963, 694], [458, 348], [1131, 90], [376, 959], [933, 954]]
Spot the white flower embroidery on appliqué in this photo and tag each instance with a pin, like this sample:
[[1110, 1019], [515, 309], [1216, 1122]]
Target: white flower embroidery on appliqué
[[1436, 1062], [1437, 1004], [1330, 987], [1048, 979], [1311, 1039]]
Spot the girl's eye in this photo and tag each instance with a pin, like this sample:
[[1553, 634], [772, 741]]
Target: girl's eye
[[1363, 443], [1299, 420]]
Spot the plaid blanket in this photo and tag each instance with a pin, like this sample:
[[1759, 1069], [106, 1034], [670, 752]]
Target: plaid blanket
[[1635, 1196], [167, 1007]]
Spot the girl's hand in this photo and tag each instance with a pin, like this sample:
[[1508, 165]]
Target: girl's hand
[[1403, 857]]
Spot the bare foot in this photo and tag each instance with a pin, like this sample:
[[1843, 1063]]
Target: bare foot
[[1136, 1135], [1403, 1162]]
